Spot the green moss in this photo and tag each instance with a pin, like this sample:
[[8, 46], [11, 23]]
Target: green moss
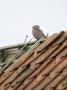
[[65, 84]]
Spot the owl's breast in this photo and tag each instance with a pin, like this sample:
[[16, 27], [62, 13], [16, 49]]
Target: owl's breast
[[37, 35]]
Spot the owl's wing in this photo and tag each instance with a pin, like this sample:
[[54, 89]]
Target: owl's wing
[[41, 32]]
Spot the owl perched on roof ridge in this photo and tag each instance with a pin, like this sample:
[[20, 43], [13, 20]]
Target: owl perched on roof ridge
[[37, 32]]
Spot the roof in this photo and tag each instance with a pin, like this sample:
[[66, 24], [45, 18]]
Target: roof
[[42, 67]]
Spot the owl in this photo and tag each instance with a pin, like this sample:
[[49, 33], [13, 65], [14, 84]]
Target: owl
[[37, 32]]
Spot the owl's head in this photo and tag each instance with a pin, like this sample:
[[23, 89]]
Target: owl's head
[[35, 27]]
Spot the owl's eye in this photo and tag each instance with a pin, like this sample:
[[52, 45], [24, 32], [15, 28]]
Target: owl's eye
[[37, 26], [34, 27]]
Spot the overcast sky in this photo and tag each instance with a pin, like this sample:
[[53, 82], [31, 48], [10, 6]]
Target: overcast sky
[[18, 16]]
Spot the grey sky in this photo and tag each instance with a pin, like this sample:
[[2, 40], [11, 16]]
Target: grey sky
[[18, 16]]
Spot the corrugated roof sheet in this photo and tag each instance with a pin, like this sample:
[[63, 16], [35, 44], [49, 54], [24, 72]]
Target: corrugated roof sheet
[[41, 68]]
